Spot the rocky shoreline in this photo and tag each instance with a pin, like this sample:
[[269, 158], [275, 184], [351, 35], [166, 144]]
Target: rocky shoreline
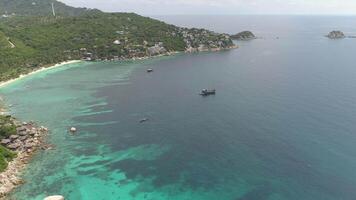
[[28, 139], [159, 53]]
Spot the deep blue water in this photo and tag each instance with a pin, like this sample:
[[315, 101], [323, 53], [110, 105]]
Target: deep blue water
[[282, 125]]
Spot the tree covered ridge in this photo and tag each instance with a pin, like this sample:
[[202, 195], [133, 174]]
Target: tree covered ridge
[[39, 8]]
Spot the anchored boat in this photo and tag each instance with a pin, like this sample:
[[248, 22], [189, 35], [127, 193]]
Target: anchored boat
[[206, 92], [143, 120]]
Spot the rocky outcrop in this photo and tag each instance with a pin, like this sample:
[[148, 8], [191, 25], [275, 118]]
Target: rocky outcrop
[[25, 142], [336, 35], [245, 35]]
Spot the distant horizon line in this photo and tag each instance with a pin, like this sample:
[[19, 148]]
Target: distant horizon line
[[251, 14], [325, 15]]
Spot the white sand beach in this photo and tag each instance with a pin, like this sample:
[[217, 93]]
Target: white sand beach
[[4, 83]]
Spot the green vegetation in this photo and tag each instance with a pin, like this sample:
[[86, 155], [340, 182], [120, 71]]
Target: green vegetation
[[7, 127], [5, 157], [41, 41], [93, 32], [4, 43]]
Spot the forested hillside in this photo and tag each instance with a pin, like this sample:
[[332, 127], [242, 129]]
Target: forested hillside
[[39, 8]]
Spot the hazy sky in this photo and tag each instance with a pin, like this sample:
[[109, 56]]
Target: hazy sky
[[163, 7]]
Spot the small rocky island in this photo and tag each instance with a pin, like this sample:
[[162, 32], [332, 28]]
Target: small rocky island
[[336, 35], [18, 142], [245, 35]]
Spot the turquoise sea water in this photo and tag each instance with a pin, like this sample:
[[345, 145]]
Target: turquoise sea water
[[282, 125]]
